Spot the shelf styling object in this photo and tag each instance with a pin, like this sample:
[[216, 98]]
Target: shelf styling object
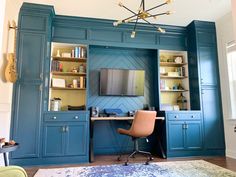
[[182, 102], [143, 14]]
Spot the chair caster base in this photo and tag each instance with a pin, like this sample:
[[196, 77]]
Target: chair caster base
[[126, 164]]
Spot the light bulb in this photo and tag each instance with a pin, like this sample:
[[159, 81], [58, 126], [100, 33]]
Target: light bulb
[[117, 23], [161, 30], [169, 1], [169, 12], [120, 4], [133, 34]]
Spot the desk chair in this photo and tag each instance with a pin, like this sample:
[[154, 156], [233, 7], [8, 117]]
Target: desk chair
[[142, 126]]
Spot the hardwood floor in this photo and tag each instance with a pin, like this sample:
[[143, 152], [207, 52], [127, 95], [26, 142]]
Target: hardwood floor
[[111, 159]]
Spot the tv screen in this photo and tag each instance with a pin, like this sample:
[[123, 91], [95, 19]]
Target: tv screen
[[122, 82]]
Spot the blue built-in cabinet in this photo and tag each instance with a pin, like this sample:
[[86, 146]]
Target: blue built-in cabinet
[[47, 137], [206, 87]]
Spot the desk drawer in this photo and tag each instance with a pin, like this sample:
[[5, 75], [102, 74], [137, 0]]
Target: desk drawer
[[66, 116], [184, 116]]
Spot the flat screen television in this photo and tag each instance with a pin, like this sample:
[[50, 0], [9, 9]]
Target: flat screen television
[[122, 82]]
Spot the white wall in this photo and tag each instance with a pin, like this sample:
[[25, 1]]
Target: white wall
[[225, 34], [9, 10], [233, 2]]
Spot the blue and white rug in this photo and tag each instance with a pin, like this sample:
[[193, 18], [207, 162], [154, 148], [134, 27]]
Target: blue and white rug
[[195, 168]]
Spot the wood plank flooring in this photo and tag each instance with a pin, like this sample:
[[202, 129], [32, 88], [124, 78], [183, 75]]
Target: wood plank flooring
[[111, 159]]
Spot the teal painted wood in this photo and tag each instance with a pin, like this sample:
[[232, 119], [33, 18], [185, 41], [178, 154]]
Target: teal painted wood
[[54, 139], [29, 89], [77, 139], [69, 131], [194, 135], [213, 119], [102, 57], [176, 136], [31, 56], [27, 118], [102, 32], [184, 133], [203, 49]]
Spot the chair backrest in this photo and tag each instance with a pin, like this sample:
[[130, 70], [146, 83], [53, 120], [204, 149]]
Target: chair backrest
[[143, 123]]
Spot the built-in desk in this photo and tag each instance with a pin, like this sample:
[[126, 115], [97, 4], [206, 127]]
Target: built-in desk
[[93, 119]]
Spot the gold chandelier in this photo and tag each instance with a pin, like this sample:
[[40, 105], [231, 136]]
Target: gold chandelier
[[143, 14]]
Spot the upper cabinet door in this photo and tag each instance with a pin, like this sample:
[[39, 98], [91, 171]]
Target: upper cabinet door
[[208, 65], [31, 56]]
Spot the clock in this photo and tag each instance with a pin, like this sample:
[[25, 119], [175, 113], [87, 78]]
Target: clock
[[178, 59]]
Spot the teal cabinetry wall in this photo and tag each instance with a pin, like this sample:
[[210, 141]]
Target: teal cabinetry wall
[[184, 133], [203, 50], [110, 47]]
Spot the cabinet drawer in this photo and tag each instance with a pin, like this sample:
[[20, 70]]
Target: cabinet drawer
[[184, 116], [61, 116]]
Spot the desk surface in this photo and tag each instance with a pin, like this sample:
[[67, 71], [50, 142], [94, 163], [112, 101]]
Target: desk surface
[[120, 118]]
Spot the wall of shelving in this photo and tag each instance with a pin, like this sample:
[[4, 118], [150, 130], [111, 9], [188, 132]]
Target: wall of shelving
[[69, 66], [173, 79]]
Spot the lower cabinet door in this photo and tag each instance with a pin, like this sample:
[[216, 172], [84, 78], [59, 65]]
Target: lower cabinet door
[[193, 140], [176, 135], [76, 139], [54, 135], [213, 119]]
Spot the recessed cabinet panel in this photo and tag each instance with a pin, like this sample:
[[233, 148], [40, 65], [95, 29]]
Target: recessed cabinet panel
[[104, 35], [26, 125], [206, 38], [31, 56], [53, 139], [31, 22], [141, 38], [173, 41], [193, 135], [208, 66], [176, 135], [213, 124], [76, 139], [70, 33]]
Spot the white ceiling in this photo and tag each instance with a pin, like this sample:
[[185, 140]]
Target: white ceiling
[[185, 10]]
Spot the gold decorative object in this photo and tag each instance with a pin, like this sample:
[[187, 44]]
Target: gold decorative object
[[143, 14]]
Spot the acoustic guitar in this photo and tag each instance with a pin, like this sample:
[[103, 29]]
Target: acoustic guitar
[[10, 71]]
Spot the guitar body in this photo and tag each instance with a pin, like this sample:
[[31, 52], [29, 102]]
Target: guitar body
[[10, 71]]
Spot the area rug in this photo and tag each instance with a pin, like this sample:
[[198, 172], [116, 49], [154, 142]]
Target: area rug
[[195, 168]]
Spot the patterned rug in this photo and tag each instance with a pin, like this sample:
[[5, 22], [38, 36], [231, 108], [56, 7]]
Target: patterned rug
[[195, 168]]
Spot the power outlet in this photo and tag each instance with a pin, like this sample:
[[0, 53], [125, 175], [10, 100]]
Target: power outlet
[[235, 129]]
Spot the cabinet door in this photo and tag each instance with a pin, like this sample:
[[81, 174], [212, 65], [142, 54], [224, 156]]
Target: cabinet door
[[27, 117], [176, 135], [76, 138], [208, 65], [213, 120], [54, 138], [31, 54], [193, 138]]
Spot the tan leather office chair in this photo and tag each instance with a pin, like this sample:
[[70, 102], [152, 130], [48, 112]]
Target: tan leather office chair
[[142, 126]]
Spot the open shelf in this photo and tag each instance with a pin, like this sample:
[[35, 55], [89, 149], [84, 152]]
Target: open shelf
[[173, 77], [68, 73], [172, 64], [70, 59], [67, 88], [174, 90]]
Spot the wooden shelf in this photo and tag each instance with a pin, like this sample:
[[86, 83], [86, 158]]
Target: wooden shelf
[[174, 77], [67, 88], [70, 59], [68, 73], [174, 90], [171, 64]]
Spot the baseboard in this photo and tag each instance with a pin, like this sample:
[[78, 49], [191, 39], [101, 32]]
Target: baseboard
[[231, 154]]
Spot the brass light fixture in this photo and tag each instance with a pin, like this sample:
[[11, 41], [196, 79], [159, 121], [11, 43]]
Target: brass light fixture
[[143, 14]]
